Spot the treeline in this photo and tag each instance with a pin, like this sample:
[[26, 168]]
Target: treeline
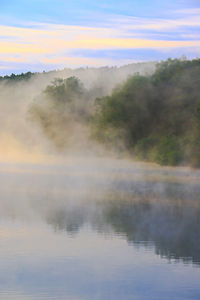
[[104, 77], [17, 77], [155, 117]]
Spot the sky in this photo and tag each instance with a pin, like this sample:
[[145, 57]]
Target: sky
[[37, 35]]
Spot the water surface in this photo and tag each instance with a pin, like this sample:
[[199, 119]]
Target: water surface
[[99, 229]]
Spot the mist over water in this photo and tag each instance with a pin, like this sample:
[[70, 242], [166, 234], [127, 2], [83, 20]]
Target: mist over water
[[82, 223], [103, 222]]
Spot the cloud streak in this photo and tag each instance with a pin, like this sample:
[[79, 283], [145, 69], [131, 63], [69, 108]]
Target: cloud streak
[[45, 43]]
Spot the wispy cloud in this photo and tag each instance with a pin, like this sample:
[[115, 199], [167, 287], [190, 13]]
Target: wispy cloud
[[157, 24], [54, 39], [35, 43], [189, 11]]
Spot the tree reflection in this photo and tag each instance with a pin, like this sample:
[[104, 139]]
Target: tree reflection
[[172, 226]]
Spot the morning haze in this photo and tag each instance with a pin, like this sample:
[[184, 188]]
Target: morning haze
[[99, 150]]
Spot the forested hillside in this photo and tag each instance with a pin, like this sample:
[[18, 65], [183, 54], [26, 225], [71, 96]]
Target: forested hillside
[[157, 117], [153, 114]]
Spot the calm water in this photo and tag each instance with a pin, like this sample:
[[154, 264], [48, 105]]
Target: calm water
[[99, 230]]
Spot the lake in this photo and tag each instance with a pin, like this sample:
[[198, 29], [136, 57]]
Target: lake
[[89, 229]]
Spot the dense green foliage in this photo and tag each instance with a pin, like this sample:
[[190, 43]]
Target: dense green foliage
[[155, 117], [58, 109]]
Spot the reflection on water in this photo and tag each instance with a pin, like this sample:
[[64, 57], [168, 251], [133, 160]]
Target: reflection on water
[[99, 231]]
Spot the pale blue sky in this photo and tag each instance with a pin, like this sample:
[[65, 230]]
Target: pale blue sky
[[50, 34]]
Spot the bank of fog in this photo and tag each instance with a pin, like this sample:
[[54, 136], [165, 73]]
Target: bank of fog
[[149, 115], [46, 114]]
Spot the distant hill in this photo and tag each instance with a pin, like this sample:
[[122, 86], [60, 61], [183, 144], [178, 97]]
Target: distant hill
[[104, 78]]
